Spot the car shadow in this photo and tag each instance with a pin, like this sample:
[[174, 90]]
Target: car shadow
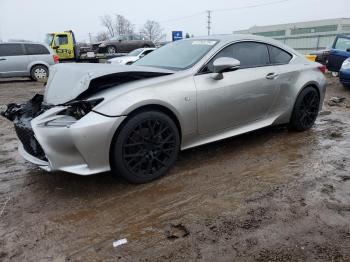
[[75, 185], [15, 80]]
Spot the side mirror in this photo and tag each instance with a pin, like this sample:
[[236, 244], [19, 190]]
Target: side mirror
[[348, 50], [56, 47], [142, 55], [223, 64]]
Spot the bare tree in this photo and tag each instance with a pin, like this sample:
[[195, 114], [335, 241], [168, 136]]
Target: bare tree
[[107, 22], [123, 26], [152, 31], [117, 26], [102, 36]]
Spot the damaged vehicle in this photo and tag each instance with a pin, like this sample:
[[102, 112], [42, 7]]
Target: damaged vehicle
[[133, 120]]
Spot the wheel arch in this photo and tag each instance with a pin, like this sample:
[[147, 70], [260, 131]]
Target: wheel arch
[[313, 84], [287, 115], [149, 107], [306, 85], [32, 65]]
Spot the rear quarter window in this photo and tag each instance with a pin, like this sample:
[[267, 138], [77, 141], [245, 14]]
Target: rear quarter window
[[35, 49], [279, 56], [11, 50]]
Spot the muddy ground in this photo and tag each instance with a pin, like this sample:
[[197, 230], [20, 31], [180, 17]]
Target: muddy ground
[[272, 195]]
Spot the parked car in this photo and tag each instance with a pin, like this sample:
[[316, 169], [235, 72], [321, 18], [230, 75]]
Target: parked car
[[321, 56], [339, 52], [26, 59], [134, 119], [132, 57], [124, 44], [344, 74]]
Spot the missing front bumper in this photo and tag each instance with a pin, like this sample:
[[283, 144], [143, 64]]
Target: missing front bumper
[[53, 143]]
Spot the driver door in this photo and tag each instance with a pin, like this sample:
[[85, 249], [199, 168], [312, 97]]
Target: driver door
[[242, 96], [63, 46]]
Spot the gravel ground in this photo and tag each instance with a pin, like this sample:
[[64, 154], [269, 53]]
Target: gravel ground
[[271, 195]]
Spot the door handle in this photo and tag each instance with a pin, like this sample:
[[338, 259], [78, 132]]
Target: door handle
[[2, 59], [271, 76]]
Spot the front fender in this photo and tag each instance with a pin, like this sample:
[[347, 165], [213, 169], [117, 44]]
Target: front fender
[[177, 96]]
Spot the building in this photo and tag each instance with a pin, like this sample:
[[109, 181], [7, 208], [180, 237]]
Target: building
[[305, 36]]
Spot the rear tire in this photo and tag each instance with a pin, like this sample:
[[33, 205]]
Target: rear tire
[[145, 148], [39, 73], [305, 110]]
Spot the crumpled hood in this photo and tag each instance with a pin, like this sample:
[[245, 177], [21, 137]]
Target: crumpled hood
[[67, 81]]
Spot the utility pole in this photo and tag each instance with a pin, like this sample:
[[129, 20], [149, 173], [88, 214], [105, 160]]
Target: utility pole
[[209, 21], [90, 38]]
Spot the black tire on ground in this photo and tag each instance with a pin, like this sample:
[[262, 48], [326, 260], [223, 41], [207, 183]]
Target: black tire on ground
[[145, 148], [347, 86], [39, 72], [146, 46], [305, 110], [111, 49]]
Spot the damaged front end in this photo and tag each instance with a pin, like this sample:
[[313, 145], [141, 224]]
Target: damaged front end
[[21, 115], [61, 130], [45, 132]]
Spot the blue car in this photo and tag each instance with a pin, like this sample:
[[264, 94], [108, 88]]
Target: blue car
[[339, 52], [344, 73]]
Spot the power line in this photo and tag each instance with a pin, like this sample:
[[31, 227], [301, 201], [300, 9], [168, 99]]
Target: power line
[[182, 18], [250, 6], [222, 10]]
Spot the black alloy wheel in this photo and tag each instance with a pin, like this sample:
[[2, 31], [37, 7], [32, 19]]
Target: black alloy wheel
[[305, 110], [146, 147]]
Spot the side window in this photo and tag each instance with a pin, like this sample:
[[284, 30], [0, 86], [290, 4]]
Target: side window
[[147, 52], [226, 52], [279, 56], [251, 54], [35, 49], [342, 44], [135, 37], [11, 50], [61, 40]]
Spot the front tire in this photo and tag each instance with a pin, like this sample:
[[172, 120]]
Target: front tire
[[39, 73], [145, 148], [305, 110], [111, 50]]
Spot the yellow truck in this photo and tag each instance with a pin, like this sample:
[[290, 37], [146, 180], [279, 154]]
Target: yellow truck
[[64, 45], [66, 48]]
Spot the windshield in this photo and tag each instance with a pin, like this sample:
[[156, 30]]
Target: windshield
[[48, 39], [178, 55], [136, 52]]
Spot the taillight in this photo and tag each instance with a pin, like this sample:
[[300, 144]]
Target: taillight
[[55, 58], [322, 68]]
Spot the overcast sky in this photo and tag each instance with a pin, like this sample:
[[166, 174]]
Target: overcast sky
[[32, 19]]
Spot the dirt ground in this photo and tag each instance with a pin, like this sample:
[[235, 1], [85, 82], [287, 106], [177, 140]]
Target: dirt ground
[[272, 195]]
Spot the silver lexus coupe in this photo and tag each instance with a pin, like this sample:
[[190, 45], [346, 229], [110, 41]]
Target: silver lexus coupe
[[133, 120]]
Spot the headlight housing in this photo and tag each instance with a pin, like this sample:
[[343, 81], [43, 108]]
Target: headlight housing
[[346, 64], [73, 112], [78, 109]]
